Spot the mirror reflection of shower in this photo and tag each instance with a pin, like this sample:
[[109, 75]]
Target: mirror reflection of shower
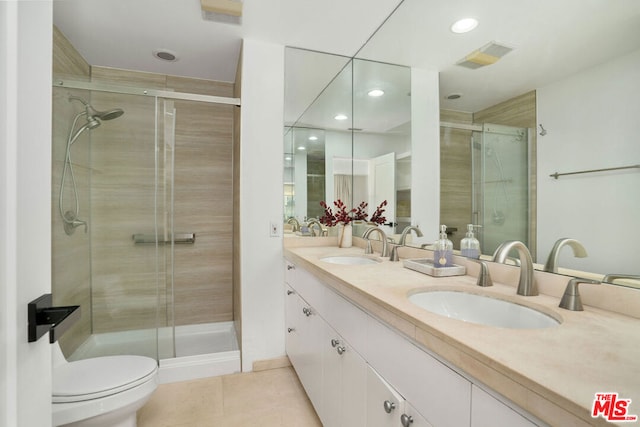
[[93, 119]]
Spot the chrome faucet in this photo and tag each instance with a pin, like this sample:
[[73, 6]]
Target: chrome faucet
[[552, 261], [313, 222], [294, 223], [526, 284], [403, 238], [571, 298], [383, 237]]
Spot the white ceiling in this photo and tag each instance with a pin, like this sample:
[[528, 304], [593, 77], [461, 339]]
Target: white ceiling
[[124, 33], [551, 38]]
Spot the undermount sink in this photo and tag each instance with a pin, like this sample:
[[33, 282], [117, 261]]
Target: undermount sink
[[483, 310], [349, 260]]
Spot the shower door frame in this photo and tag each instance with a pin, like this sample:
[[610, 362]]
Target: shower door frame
[[479, 207], [158, 95]]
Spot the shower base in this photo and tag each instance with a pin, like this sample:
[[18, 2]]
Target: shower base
[[201, 351]]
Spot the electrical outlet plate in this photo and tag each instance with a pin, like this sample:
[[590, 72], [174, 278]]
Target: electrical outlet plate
[[274, 229]]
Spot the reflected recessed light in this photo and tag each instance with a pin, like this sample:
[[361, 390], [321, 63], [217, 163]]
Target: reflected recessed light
[[287, 158], [165, 55], [341, 117], [313, 138], [301, 148], [376, 93], [464, 25]]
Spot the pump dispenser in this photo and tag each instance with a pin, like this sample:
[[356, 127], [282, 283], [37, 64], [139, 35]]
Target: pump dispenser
[[470, 246], [443, 250]]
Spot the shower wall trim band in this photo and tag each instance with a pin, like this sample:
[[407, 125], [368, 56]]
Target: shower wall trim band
[[74, 84]]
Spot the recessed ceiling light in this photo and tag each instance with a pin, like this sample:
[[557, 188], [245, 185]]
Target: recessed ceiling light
[[464, 25], [165, 55], [376, 93], [341, 117], [301, 148], [453, 96], [313, 138]]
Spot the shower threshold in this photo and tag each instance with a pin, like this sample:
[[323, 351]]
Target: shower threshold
[[201, 351]]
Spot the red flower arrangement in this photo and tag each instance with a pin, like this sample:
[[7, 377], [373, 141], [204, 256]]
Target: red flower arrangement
[[342, 216]]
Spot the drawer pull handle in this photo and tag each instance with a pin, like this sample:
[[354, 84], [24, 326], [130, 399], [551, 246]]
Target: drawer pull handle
[[340, 349], [389, 406], [291, 267], [289, 292], [306, 311], [290, 330], [334, 343], [406, 420]]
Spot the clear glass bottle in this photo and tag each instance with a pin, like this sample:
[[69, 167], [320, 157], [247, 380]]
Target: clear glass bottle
[[443, 250], [470, 246]]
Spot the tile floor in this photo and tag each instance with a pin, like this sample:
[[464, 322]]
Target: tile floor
[[271, 398]]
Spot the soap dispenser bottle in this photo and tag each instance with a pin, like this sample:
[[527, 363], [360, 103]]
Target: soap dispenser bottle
[[443, 250], [470, 246]]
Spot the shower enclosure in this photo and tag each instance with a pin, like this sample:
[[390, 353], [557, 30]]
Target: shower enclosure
[[142, 225], [500, 177]]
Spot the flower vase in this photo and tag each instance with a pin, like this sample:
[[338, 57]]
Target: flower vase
[[345, 235]]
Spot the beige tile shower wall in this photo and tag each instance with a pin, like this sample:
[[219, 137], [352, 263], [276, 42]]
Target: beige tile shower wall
[[203, 203], [125, 292], [520, 112], [70, 274], [455, 174], [124, 279]]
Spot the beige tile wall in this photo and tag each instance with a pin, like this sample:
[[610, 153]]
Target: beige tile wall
[[455, 174], [117, 198], [70, 275], [124, 283]]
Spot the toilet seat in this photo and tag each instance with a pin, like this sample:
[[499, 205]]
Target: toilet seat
[[99, 377]]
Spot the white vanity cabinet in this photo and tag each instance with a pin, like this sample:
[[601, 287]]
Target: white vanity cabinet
[[344, 382], [487, 411], [357, 371], [304, 344], [440, 394]]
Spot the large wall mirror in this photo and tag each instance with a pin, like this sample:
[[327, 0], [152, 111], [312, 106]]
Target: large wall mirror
[[537, 136]]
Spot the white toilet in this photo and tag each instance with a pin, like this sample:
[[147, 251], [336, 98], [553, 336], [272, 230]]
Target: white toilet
[[102, 391]]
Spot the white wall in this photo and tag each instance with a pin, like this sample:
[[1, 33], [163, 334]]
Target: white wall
[[261, 172], [25, 222], [591, 120], [425, 153]]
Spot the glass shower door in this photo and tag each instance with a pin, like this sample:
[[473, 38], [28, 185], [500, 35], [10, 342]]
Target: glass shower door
[[500, 156]]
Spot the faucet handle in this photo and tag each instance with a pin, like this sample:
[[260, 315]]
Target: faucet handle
[[484, 276], [394, 253], [571, 298]]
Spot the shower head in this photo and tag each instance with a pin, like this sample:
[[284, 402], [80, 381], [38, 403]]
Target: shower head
[[109, 115], [92, 113]]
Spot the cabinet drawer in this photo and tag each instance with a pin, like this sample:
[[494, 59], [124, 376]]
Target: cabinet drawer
[[346, 318], [310, 289], [487, 411], [437, 392], [289, 272]]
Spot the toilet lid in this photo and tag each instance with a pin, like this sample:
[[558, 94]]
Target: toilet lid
[[99, 377]]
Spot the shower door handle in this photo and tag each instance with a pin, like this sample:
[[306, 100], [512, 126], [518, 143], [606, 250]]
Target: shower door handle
[[143, 239]]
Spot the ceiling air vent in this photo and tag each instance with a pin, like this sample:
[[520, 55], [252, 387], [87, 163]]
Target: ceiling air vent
[[486, 55], [225, 11]]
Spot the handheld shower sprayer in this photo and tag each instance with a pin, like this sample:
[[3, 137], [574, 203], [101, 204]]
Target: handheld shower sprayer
[[70, 217]]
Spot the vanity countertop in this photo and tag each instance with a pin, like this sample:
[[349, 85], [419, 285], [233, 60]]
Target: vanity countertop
[[554, 373]]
